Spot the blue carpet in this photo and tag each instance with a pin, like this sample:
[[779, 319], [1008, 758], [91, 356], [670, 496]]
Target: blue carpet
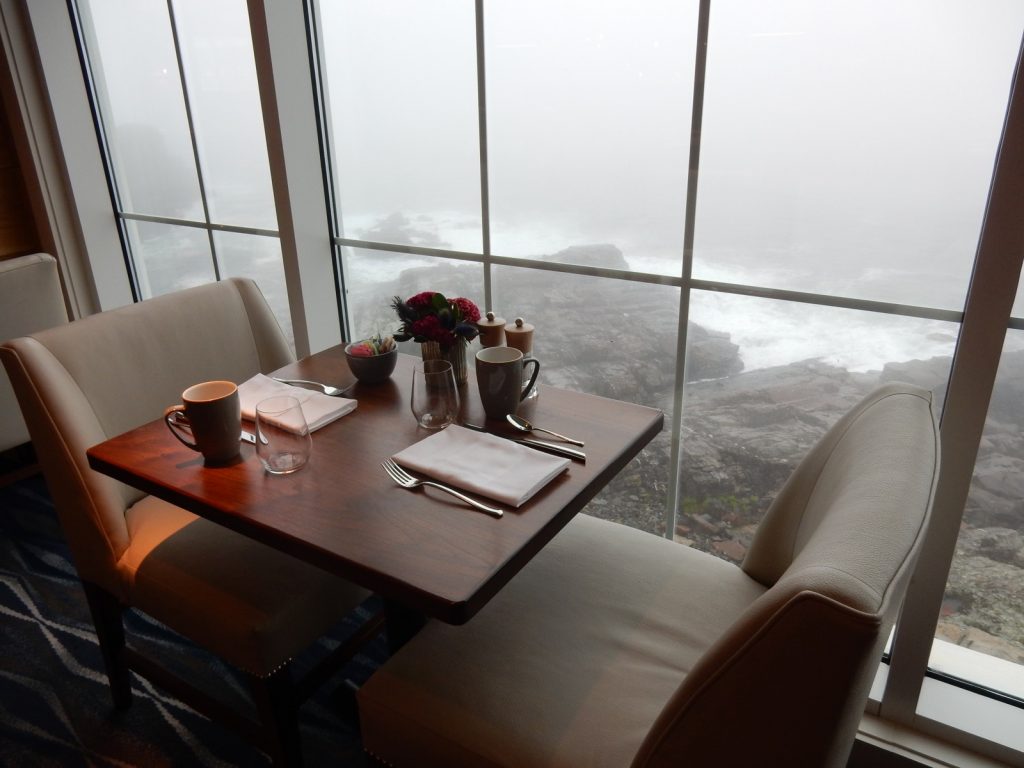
[[55, 706]]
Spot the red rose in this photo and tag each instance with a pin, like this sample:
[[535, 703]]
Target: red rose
[[469, 310]]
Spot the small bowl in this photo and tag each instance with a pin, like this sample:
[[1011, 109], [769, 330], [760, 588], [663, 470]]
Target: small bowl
[[373, 369]]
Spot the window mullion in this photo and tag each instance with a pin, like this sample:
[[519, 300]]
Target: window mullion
[[281, 51], [978, 351]]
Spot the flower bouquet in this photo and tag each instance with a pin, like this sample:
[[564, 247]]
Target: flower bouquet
[[442, 326]]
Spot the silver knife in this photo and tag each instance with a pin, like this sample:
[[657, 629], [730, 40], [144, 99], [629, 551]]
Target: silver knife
[[559, 450]]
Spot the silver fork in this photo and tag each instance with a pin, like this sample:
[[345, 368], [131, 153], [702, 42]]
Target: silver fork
[[406, 480], [327, 389]]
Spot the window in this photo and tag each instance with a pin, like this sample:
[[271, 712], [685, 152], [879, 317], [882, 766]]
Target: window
[[179, 108], [845, 158], [821, 236]]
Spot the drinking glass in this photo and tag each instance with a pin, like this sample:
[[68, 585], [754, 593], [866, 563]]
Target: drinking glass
[[435, 398], [282, 435]]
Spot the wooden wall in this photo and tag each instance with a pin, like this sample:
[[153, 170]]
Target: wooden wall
[[18, 233]]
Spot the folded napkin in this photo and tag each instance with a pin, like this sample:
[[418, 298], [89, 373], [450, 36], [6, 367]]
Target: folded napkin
[[318, 408], [476, 461]]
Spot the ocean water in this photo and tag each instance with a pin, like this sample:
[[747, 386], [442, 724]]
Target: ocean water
[[768, 332]]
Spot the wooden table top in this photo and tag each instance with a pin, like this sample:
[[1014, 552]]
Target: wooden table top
[[423, 549]]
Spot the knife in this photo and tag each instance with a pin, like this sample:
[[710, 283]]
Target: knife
[[559, 450]]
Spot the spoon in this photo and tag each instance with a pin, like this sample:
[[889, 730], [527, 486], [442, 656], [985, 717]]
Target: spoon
[[524, 426]]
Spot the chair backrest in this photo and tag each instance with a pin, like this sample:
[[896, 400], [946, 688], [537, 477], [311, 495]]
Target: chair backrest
[[787, 682], [32, 300], [84, 382]]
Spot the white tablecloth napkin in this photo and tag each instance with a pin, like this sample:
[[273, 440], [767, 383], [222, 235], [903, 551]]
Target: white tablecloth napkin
[[476, 461], [318, 408]]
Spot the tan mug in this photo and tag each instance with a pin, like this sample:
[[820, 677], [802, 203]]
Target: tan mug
[[211, 415], [499, 375]]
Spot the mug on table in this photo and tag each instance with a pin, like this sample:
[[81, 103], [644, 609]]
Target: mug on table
[[499, 375], [211, 415]]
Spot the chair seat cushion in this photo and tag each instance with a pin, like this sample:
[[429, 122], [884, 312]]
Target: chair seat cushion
[[607, 620], [252, 605]]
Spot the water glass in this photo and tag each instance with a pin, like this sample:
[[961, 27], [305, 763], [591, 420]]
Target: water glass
[[283, 442], [435, 398]]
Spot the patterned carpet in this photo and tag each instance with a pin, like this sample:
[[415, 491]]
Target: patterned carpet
[[55, 707]]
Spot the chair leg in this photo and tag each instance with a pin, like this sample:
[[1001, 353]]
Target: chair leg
[[107, 614], [278, 715]]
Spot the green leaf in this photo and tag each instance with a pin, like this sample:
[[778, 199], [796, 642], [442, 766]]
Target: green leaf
[[439, 302]]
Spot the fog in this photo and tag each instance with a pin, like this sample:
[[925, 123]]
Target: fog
[[846, 148]]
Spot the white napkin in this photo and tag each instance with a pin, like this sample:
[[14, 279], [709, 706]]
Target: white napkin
[[476, 461], [318, 408]]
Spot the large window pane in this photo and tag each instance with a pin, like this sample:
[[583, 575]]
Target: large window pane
[[401, 91], [136, 76], [374, 278], [744, 432], [610, 338], [258, 258], [847, 148], [589, 129], [216, 47], [169, 258]]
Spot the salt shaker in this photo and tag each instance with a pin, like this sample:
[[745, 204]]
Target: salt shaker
[[492, 331]]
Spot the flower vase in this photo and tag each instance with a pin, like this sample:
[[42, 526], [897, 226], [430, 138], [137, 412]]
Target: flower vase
[[455, 354]]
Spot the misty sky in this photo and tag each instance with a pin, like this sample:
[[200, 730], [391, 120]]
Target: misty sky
[[846, 147]]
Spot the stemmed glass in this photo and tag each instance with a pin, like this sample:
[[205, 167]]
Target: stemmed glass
[[435, 398]]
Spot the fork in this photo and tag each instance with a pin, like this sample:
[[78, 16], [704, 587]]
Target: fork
[[406, 480], [327, 389]]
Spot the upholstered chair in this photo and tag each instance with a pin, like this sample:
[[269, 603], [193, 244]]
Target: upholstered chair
[[32, 300], [615, 647], [90, 380]]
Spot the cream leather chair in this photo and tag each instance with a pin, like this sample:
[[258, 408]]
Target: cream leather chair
[[30, 300], [615, 647], [257, 608]]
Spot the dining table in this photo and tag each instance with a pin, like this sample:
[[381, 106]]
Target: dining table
[[426, 553]]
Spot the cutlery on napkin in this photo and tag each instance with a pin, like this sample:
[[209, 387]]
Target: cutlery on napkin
[[542, 445], [485, 464], [318, 408]]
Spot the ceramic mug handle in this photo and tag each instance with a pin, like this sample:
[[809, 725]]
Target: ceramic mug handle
[[176, 420], [533, 379]]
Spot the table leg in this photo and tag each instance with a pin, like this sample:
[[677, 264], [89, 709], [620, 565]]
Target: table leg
[[402, 623]]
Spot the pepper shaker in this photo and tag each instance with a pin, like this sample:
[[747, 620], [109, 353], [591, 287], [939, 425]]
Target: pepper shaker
[[520, 336], [492, 331]]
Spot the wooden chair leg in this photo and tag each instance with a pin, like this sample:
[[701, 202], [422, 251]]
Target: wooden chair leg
[[278, 714], [107, 613]]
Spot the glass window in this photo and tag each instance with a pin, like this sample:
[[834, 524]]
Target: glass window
[[168, 258], [216, 48], [259, 258], [150, 121], [611, 338], [143, 108], [847, 148], [374, 278], [401, 82], [588, 116], [765, 380]]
